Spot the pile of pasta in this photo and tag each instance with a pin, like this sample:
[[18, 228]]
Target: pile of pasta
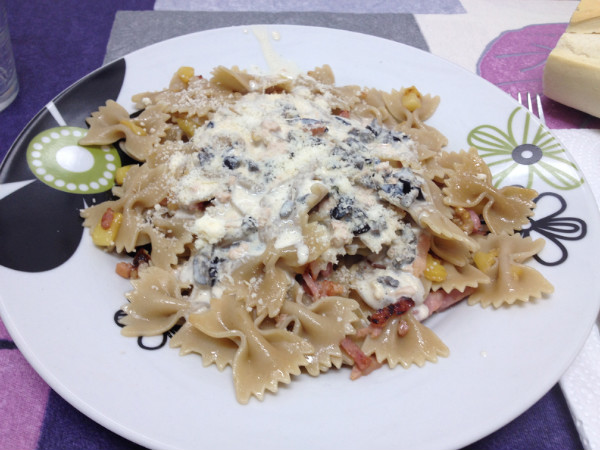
[[377, 227]]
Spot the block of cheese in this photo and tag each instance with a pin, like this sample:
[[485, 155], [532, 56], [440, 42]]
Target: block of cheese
[[586, 18], [572, 71]]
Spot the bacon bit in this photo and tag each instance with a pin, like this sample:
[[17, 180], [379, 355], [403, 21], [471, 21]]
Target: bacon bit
[[477, 227], [420, 262], [357, 373], [164, 202], [141, 257], [440, 300], [381, 316], [403, 328], [328, 288], [321, 288], [124, 269], [107, 218], [318, 131], [311, 285], [370, 331], [130, 270], [362, 361], [344, 113]]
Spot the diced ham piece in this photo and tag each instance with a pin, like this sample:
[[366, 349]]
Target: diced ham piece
[[357, 373], [107, 218], [361, 360], [363, 364], [441, 300], [124, 269]]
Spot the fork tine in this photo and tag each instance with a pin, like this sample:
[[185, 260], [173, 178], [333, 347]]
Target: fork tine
[[540, 109], [529, 105], [525, 101]]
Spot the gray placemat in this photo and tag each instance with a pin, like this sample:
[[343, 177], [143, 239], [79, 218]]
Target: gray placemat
[[340, 6], [133, 30]]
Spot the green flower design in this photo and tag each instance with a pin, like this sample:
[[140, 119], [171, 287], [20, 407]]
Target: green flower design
[[56, 159], [526, 151]]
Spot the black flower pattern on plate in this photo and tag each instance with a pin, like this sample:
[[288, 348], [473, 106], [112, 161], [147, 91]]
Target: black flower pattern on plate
[[142, 341], [555, 228]]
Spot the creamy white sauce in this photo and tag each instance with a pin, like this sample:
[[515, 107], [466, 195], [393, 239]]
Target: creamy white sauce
[[277, 64], [421, 312], [382, 287], [257, 165]]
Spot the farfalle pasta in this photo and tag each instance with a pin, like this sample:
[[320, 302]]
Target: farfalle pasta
[[282, 225], [502, 258], [417, 344], [469, 185], [112, 122]]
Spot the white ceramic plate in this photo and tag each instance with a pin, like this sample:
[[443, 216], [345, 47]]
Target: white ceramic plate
[[501, 362]]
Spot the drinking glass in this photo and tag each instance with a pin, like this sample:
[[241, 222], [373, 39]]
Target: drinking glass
[[9, 85]]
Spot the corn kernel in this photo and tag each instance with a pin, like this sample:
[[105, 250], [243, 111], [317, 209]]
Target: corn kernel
[[434, 270], [105, 237], [485, 260], [411, 98], [121, 173], [185, 73], [134, 127], [187, 126]]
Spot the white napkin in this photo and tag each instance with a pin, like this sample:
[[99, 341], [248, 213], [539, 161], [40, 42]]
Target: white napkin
[[581, 382], [580, 385]]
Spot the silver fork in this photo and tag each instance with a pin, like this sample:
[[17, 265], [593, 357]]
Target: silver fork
[[529, 105]]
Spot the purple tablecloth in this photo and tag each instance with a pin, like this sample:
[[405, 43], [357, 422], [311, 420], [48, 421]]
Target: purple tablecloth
[[55, 44]]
